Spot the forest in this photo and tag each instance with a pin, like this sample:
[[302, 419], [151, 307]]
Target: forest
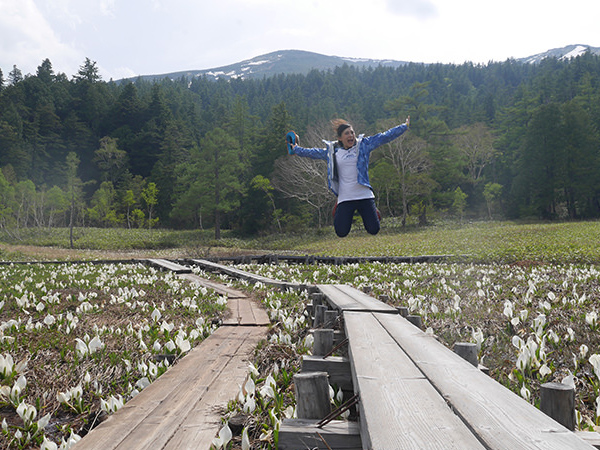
[[504, 140]]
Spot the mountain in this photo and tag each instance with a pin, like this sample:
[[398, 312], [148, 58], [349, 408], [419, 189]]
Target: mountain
[[302, 62], [570, 51], [276, 63]]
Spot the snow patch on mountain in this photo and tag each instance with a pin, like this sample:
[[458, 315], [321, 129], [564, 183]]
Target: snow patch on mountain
[[577, 51], [563, 53]]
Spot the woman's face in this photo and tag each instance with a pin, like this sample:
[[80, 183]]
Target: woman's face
[[348, 138]]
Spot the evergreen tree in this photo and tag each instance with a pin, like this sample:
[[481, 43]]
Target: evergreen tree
[[219, 167]]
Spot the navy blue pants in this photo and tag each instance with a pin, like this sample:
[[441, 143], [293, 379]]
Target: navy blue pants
[[342, 221]]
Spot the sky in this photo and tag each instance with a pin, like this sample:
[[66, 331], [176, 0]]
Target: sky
[[126, 38]]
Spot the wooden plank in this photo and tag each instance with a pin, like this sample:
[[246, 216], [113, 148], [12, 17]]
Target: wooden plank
[[246, 312], [501, 419], [151, 418], [398, 408], [158, 427], [338, 300], [347, 298], [217, 287], [168, 265], [369, 303], [591, 437], [202, 424], [295, 434], [251, 277], [337, 367]]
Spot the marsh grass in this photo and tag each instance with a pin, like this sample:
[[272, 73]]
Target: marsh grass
[[482, 242]]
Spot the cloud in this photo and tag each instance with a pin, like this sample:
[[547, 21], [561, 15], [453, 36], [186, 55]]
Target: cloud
[[26, 39], [420, 9]]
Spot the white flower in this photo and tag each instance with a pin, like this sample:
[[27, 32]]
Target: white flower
[[249, 386], [183, 344], [249, 404], [6, 365], [49, 320], [508, 309], [245, 440], [253, 370], [225, 436], [545, 370], [112, 405], [48, 445], [27, 413], [143, 383], [569, 380], [525, 393], [591, 318], [595, 362], [44, 421]]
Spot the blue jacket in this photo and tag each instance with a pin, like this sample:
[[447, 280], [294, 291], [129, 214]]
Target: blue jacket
[[365, 146]]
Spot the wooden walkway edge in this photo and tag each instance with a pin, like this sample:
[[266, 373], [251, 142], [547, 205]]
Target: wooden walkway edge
[[182, 409]]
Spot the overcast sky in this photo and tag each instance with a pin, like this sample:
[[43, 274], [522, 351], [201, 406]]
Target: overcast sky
[[141, 37]]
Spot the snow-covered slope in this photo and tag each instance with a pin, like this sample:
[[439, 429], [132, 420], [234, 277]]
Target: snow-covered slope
[[570, 51], [302, 62]]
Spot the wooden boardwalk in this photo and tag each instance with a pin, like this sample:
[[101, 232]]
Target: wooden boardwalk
[[182, 409], [415, 393]]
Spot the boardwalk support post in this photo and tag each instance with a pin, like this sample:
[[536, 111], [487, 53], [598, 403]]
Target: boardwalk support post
[[403, 311], [312, 395], [319, 316], [330, 317], [467, 351], [558, 402], [323, 342], [415, 320]]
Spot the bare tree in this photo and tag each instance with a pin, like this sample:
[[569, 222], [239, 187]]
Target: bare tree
[[475, 142], [306, 178], [409, 157]]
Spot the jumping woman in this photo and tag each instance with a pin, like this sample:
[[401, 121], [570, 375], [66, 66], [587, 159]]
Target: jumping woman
[[348, 172]]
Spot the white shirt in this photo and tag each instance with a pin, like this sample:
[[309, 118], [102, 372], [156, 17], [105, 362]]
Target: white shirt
[[350, 189]]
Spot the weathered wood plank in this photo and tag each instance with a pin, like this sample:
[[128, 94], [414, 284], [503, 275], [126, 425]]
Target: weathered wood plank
[[398, 408], [253, 278], [337, 367], [246, 312], [150, 419], [201, 424], [168, 265], [297, 434], [591, 437], [501, 419], [217, 287], [348, 298], [338, 301]]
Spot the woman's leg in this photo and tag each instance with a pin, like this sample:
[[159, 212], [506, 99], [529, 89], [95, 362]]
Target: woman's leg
[[368, 212], [342, 222]]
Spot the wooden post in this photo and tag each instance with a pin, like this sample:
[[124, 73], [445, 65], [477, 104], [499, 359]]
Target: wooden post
[[467, 351], [319, 316], [312, 395], [330, 317], [403, 310], [323, 342], [317, 298], [415, 320], [558, 402]]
